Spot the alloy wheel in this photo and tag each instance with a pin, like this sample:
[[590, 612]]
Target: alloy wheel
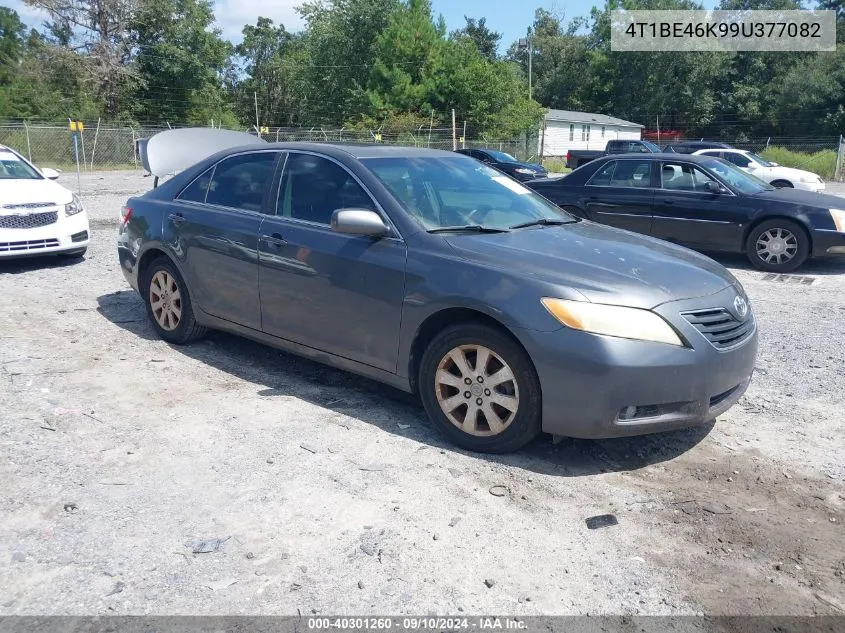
[[777, 246], [165, 300], [477, 390]]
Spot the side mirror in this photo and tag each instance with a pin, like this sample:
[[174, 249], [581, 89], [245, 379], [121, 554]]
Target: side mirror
[[714, 187], [359, 222], [52, 174]]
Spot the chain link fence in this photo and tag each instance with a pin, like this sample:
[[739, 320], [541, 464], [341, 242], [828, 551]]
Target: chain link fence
[[110, 147], [113, 147]]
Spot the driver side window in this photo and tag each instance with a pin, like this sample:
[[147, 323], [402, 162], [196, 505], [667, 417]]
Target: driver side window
[[313, 188], [683, 177], [737, 159]]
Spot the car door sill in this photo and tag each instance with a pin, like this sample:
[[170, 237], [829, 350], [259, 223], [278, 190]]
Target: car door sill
[[324, 358]]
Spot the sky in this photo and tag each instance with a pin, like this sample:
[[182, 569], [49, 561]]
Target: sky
[[509, 17]]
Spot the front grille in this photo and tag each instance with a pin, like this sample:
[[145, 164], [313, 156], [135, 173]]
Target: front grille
[[720, 327], [29, 205], [29, 220], [30, 245]]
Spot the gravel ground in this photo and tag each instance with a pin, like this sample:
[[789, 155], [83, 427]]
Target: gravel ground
[[230, 478]]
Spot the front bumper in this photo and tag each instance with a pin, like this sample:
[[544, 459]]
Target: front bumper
[[828, 243], [817, 187], [67, 234], [589, 381]]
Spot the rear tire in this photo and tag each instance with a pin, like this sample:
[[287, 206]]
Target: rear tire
[[168, 303], [777, 246], [504, 392]]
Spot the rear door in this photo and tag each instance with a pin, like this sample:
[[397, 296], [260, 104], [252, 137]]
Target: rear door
[[620, 194], [686, 213], [334, 292], [213, 228]]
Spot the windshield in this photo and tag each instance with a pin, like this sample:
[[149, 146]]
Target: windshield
[[459, 191], [736, 178], [502, 157], [13, 168], [759, 159]]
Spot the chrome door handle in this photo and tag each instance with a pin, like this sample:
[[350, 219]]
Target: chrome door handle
[[274, 240]]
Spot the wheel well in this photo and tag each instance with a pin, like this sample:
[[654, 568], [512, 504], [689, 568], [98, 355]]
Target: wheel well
[[439, 321], [783, 180], [757, 223], [146, 259]]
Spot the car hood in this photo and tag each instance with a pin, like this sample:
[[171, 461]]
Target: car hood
[[605, 264], [803, 198], [16, 192]]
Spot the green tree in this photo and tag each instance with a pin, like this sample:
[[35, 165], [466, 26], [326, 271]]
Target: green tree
[[273, 61], [182, 62], [418, 70], [408, 55], [340, 42], [811, 96], [562, 76], [485, 40], [12, 33], [95, 33]]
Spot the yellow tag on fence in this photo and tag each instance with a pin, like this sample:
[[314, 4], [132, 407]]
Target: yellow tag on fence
[[264, 130], [77, 126]]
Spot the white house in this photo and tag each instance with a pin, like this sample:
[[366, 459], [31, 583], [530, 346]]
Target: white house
[[564, 130]]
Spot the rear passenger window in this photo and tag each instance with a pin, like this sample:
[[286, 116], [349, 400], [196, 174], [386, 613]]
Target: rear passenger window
[[239, 182], [195, 192], [602, 177], [632, 173]]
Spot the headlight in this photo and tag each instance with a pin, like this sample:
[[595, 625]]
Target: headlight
[[73, 207], [633, 323], [523, 170], [838, 216]]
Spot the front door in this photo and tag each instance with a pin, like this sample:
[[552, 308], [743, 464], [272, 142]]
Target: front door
[[685, 212], [338, 293], [213, 224], [620, 194]]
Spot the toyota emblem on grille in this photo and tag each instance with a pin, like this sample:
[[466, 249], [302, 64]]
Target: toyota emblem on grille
[[740, 307]]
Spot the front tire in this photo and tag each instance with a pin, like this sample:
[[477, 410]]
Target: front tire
[[168, 303], [777, 245], [480, 389]]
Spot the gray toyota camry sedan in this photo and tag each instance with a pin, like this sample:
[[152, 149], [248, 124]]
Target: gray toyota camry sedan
[[431, 272]]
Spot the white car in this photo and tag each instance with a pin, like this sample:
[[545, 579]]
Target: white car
[[774, 174], [38, 216]]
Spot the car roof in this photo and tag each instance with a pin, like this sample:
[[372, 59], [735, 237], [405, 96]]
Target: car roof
[[674, 156], [701, 144], [359, 150]]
